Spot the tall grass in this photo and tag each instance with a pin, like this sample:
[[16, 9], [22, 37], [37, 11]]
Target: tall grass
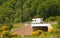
[[18, 25]]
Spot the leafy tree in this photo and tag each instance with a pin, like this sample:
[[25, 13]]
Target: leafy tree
[[14, 11], [49, 8]]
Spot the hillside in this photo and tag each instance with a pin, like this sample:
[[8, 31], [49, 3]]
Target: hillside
[[15, 11]]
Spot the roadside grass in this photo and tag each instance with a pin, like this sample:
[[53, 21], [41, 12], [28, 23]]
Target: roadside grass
[[36, 37], [54, 34], [18, 25], [49, 35]]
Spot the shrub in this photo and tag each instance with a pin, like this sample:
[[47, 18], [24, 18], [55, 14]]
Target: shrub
[[50, 30], [56, 31], [4, 28], [36, 33], [58, 35], [55, 26], [6, 33], [13, 34], [53, 18], [0, 33]]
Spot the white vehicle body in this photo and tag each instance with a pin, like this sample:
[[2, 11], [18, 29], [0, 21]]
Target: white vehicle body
[[38, 22]]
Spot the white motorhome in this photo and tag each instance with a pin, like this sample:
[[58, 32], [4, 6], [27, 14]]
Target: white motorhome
[[38, 23]]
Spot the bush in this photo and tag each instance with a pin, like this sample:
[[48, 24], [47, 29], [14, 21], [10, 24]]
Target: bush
[[8, 34], [36, 33], [13, 34], [53, 18], [58, 35], [4, 28], [50, 30], [5, 33], [0, 33], [55, 26]]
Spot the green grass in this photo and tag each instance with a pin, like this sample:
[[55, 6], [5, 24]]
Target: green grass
[[18, 25], [40, 36], [48, 35], [27, 37], [36, 37]]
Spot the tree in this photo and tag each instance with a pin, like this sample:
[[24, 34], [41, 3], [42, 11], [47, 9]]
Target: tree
[[14, 11], [49, 8]]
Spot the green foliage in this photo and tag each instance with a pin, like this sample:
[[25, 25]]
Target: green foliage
[[4, 28], [13, 34], [14, 11], [9, 12], [55, 26], [36, 33], [49, 8], [6, 33], [53, 18]]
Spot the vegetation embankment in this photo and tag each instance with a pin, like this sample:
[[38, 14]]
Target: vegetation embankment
[[16, 11]]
